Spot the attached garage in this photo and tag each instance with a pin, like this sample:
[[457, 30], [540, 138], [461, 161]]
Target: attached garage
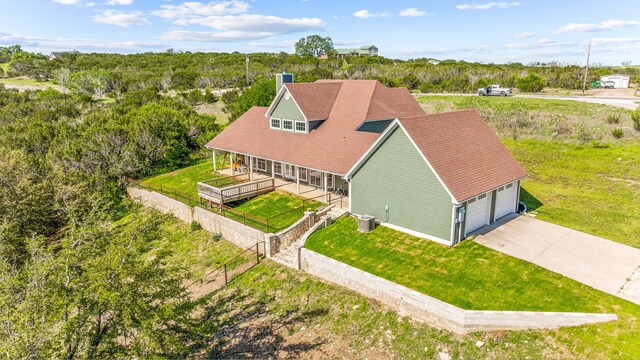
[[439, 177], [506, 198], [478, 210]]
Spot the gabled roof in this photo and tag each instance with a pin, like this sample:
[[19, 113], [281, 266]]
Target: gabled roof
[[463, 151], [314, 99], [335, 145]]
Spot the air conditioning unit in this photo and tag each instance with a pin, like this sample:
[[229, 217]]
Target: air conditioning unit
[[366, 223]]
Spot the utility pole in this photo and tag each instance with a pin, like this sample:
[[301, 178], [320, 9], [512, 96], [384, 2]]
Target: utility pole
[[586, 68], [247, 70]]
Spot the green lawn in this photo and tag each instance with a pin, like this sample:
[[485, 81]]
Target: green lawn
[[184, 180], [260, 208], [277, 203], [585, 187], [472, 276]]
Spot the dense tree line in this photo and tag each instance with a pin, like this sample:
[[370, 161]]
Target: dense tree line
[[71, 284], [185, 71]]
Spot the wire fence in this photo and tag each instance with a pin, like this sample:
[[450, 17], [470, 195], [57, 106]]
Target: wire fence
[[270, 224], [233, 267]]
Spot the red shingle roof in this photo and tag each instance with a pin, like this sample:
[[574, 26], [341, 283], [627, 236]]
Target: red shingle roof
[[335, 145], [464, 151], [315, 100]]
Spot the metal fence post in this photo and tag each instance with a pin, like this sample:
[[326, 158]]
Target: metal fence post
[[257, 254]]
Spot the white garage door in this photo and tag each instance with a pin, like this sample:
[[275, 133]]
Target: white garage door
[[505, 200], [477, 213]]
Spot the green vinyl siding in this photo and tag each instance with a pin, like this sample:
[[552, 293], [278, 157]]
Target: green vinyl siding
[[287, 109], [395, 174]]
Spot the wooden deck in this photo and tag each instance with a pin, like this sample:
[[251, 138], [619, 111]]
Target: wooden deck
[[242, 189]]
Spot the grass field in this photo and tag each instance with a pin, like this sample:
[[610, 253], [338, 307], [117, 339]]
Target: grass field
[[538, 118], [474, 277], [589, 188], [279, 208], [27, 82]]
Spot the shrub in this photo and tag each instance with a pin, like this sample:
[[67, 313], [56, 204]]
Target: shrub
[[531, 83], [613, 119], [617, 133], [195, 226], [635, 118]]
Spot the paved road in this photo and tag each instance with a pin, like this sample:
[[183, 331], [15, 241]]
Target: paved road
[[629, 103], [622, 102], [602, 264]]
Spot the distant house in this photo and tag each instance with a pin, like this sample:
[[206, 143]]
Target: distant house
[[367, 50], [618, 81], [55, 55], [438, 176]]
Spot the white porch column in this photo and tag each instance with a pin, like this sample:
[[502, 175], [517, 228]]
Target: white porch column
[[297, 180], [233, 163], [273, 169], [250, 168], [215, 166], [324, 185]]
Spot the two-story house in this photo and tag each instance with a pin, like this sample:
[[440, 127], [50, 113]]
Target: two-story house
[[436, 176]]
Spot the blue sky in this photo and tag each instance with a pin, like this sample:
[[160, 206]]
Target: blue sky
[[486, 31]]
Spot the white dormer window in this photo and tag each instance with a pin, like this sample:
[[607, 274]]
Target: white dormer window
[[287, 125], [275, 123], [301, 126]]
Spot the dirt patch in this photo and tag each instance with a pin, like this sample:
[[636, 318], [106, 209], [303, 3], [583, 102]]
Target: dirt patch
[[616, 93]]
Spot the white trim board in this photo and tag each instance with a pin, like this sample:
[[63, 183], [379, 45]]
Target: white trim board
[[277, 99], [417, 234]]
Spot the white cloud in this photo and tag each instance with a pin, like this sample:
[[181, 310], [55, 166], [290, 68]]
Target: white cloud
[[545, 41], [365, 14], [412, 12], [121, 18], [257, 23], [593, 27], [214, 36], [348, 42], [91, 4], [487, 6], [67, 2], [623, 40], [119, 2], [287, 44], [524, 35], [61, 43], [190, 9]]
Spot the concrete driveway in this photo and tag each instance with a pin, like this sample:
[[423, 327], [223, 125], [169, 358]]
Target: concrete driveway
[[602, 264]]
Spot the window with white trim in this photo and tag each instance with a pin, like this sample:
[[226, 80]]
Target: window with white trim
[[315, 178], [509, 185], [260, 164], [275, 123], [301, 126], [303, 174], [287, 125], [277, 168]]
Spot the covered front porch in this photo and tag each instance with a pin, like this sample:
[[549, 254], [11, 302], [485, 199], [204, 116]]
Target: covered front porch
[[308, 183]]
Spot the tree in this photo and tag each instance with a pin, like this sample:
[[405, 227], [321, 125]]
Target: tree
[[99, 295], [314, 45], [261, 93], [88, 82], [531, 83], [62, 77]]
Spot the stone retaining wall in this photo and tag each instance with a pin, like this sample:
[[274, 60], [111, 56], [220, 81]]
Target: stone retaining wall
[[241, 235], [161, 203], [433, 311], [286, 237]]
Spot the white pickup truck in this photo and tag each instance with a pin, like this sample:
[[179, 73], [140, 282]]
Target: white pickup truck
[[494, 90]]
